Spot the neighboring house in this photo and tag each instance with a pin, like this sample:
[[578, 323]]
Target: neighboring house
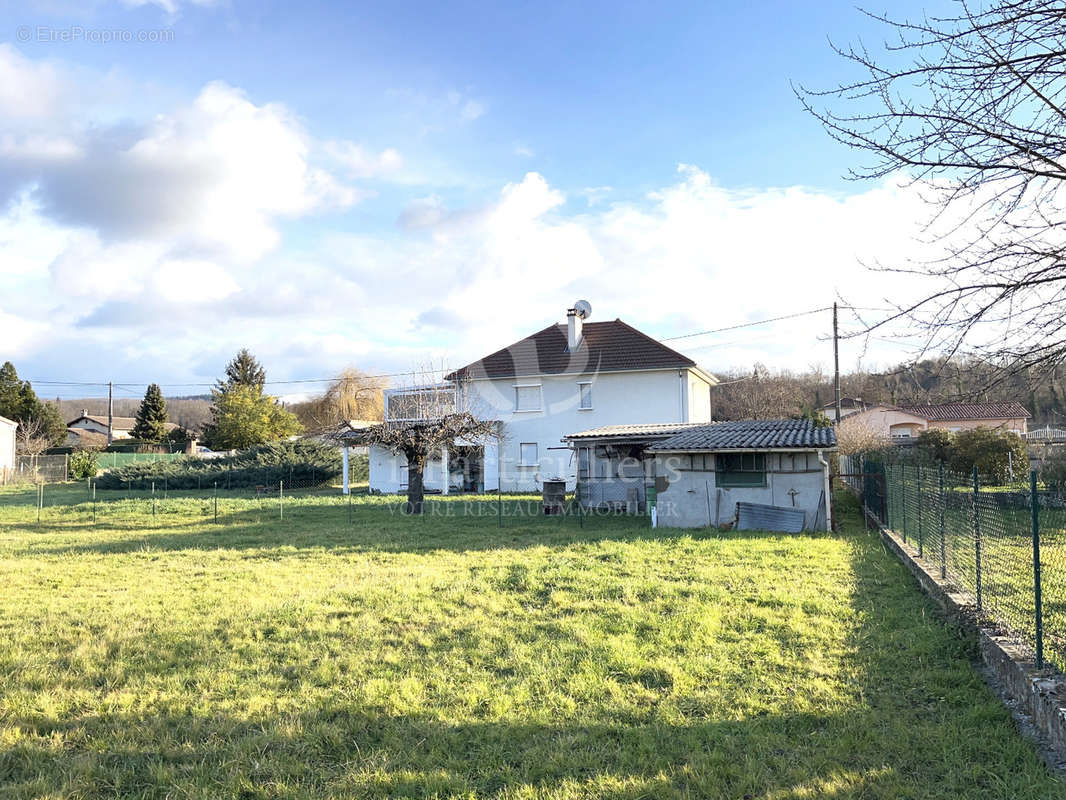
[[122, 428], [8, 428], [848, 406], [85, 439], [563, 378], [701, 472], [904, 422]]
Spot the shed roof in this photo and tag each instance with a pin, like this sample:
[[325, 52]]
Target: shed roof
[[968, 411], [650, 430], [763, 434], [6, 421], [605, 347]]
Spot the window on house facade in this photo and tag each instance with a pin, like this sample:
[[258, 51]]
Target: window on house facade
[[527, 454], [585, 390], [740, 469], [527, 398]]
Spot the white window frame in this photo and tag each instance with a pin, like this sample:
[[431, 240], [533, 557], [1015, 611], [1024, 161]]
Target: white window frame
[[540, 398], [521, 455], [581, 395]]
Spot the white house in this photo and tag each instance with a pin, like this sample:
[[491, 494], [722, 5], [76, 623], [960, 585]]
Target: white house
[[8, 427], [563, 378], [91, 429]]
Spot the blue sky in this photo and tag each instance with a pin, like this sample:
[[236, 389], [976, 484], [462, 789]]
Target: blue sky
[[384, 184]]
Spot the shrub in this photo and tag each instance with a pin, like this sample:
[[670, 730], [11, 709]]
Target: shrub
[[936, 444], [297, 463], [83, 464], [1053, 471], [991, 451]]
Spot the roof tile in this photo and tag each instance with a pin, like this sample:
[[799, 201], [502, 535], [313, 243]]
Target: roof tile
[[605, 347], [968, 411], [763, 434]]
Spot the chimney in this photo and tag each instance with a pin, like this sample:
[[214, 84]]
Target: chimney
[[573, 329], [85, 412]]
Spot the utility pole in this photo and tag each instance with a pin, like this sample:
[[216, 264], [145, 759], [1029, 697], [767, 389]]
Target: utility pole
[[836, 364], [110, 412]]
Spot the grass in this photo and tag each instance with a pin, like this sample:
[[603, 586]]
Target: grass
[[1007, 581], [445, 657]]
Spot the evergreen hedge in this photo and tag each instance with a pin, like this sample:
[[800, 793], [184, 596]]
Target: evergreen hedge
[[301, 463]]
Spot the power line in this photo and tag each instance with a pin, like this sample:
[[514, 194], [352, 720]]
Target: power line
[[748, 324]]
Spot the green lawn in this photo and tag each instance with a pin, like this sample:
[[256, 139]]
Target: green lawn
[[446, 657]]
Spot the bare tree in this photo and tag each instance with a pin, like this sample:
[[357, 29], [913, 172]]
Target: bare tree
[[759, 394], [972, 106], [32, 438], [354, 395], [857, 436], [420, 421], [419, 440]]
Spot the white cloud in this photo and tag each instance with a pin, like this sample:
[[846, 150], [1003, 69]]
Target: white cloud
[[28, 89], [363, 164], [471, 110], [159, 245]]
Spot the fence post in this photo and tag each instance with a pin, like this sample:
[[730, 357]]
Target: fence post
[[281, 499], [1038, 600], [943, 525], [214, 494], [88, 488], [499, 506], [977, 535], [349, 508], [40, 500], [94, 504], [153, 498], [903, 495], [918, 485]]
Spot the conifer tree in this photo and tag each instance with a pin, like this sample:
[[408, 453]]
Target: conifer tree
[[151, 424]]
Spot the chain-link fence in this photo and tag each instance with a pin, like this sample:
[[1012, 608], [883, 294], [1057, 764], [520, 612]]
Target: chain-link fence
[[1003, 545]]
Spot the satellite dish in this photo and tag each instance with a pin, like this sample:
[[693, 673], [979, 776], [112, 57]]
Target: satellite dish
[[583, 309]]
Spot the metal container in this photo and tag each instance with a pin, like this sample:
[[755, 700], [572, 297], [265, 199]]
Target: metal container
[[553, 497]]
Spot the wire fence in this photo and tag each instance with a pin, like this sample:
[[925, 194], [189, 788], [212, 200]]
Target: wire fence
[[147, 505], [1003, 545]]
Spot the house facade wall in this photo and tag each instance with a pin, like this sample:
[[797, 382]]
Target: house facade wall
[[667, 395], [693, 498], [653, 396], [896, 424], [1016, 425], [388, 472], [7, 447], [96, 427], [889, 421]]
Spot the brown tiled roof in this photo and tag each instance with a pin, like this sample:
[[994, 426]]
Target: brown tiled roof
[[944, 412], [605, 347]]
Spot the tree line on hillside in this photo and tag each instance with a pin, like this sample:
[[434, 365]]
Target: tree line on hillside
[[764, 394], [237, 415]]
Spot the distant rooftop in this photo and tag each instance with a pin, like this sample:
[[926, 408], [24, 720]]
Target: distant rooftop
[[945, 412]]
